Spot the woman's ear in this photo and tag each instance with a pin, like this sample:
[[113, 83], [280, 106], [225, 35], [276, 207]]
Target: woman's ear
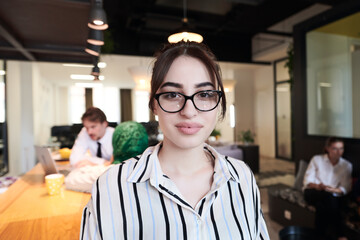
[[155, 109]]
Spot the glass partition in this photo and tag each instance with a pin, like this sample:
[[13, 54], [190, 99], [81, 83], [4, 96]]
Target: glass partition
[[3, 128], [333, 80], [282, 110]]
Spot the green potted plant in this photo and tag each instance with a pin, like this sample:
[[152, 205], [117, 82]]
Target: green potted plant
[[247, 137], [216, 133]]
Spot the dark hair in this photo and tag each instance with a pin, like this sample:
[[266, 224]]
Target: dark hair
[[166, 56], [330, 141], [94, 114]]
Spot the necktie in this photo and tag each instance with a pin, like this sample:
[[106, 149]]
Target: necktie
[[98, 154]]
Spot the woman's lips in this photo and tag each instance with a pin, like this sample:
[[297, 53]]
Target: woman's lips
[[189, 128]]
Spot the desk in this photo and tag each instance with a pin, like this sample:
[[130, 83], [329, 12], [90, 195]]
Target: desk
[[28, 212]]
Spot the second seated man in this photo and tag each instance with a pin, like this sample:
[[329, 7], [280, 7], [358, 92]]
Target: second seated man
[[93, 145]]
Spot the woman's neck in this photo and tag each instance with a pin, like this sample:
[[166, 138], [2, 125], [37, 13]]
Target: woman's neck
[[183, 161]]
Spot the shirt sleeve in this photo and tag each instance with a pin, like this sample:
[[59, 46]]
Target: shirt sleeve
[[89, 223], [345, 180], [310, 174], [78, 151], [262, 232]]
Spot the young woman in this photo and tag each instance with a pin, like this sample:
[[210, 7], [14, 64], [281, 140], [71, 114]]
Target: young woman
[[181, 188]]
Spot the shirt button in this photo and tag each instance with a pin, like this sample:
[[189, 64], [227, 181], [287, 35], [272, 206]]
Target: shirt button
[[198, 220]]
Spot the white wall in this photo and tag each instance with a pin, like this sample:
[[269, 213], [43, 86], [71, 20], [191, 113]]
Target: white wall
[[227, 133], [244, 101], [20, 116], [264, 118], [45, 110]]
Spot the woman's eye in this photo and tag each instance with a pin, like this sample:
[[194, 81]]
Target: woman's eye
[[206, 94], [171, 95]]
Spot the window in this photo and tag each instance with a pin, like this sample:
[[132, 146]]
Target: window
[[105, 98], [282, 110], [77, 103], [141, 106], [333, 79]]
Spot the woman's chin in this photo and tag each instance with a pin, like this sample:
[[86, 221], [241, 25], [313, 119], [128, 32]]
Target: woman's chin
[[185, 142]]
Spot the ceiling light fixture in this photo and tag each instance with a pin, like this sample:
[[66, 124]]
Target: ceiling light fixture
[[141, 76], [85, 77], [96, 37], [97, 19], [100, 65], [183, 33]]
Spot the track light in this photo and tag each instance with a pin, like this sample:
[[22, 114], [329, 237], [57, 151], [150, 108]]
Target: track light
[[93, 49], [97, 19], [96, 37]]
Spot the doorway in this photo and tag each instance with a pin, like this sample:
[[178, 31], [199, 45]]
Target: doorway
[[282, 90]]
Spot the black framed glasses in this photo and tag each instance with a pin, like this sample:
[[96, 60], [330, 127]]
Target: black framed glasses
[[173, 102]]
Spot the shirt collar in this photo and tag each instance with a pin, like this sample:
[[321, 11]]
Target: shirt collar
[[102, 139], [148, 167], [326, 157]]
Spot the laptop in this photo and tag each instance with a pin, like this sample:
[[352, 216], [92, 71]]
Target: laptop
[[43, 154]]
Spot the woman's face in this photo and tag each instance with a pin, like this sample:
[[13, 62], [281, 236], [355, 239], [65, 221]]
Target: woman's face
[[188, 128]]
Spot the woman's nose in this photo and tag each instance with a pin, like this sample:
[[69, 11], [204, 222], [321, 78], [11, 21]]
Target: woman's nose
[[189, 109]]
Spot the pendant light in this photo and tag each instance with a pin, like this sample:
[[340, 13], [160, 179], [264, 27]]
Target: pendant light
[[93, 49], [97, 19], [184, 33], [96, 37]]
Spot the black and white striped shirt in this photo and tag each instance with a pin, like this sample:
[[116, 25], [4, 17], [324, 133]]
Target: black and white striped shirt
[[136, 200]]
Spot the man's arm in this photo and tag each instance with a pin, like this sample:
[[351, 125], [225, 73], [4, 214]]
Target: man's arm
[[310, 177], [345, 180]]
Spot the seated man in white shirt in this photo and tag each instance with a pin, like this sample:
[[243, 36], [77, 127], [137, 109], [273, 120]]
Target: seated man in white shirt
[[327, 180], [93, 145]]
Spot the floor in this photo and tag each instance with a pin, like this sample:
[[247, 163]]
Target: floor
[[283, 172]]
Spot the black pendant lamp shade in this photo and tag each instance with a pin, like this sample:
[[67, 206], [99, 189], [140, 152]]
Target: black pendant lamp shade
[[93, 49], [97, 18], [95, 71], [96, 37]]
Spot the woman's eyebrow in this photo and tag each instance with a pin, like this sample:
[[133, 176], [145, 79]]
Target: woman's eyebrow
[[171, 84], [204, 84], [178, 85]]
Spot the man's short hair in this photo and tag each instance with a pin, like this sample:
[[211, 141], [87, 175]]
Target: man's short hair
[[94, 114], [329, 141]]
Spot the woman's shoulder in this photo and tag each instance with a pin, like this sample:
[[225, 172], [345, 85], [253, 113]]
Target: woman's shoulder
[[120, 168], [238, 166]]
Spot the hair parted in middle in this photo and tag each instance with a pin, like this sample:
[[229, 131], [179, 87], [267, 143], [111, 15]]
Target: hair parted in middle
[[166, 56]]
